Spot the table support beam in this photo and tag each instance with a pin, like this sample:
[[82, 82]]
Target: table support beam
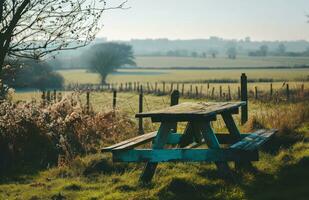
[[158, 143]]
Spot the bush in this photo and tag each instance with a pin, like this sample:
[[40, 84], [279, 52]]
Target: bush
[[33, 74], [36, 136]]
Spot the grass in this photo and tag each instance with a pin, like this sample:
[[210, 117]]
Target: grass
[[241, 61], [151, 75]]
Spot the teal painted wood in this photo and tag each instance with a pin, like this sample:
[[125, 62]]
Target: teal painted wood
[[187, 137], [158, 143], [213, 143], [255, 140], [184, 155], [231, 126], [223, 138]]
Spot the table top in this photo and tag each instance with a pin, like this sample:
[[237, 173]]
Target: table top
[[191, 111]]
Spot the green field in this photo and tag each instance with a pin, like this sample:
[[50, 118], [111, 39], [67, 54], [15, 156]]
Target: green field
[[150, 75], [242, 61]]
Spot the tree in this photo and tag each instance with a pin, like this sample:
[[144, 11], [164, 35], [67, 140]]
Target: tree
[[232, 52], [281, 49], [32, 29], [107, 57], [264, 50]]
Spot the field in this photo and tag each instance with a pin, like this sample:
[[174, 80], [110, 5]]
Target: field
[[242, 61], [149, 75]]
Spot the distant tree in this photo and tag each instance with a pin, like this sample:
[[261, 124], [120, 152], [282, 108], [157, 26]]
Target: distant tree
[[204, 55], [232, 52], [213, 53], [264, 50], [194, 54], [281, 49], [107, 57], [34, 28]]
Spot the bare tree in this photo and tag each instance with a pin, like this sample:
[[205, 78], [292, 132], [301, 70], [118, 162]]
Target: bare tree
[[32, 29]]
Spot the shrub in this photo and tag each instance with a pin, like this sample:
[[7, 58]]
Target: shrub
[[44, 136]]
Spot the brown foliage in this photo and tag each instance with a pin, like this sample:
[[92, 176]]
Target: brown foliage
[[56, 133]]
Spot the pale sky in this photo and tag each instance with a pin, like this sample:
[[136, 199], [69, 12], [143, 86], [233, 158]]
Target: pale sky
[[190, 19]]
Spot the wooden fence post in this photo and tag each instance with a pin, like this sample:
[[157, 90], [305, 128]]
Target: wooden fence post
[[114, 99], [244, 97], [287, 92], [229, 93], [87, 101], [140, 110], [191, 89], [182, 89], [220, 92], [271, 90], [55, 96], [43, 97], [174, 101], [196, 91], [156, 87], [163, 90], [256, 92], [213, 93], [48, 96], [172, 87]]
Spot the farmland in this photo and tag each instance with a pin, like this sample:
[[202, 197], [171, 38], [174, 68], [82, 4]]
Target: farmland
[[241, 61], [151, 75]]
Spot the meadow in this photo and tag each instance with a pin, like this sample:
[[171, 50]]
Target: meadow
[[220, 61], [168, 75]]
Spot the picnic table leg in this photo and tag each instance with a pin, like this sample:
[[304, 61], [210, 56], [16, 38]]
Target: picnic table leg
[[213, 143], [159, 142], [191, 134], [233, 130]]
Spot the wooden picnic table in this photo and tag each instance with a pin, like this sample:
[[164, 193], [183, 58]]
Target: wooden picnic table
[[198, 131]]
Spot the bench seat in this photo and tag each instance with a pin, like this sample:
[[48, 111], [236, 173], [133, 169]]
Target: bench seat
[[254, 140], [132, 142]]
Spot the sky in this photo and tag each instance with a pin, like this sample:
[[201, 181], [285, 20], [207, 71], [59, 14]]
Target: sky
[[192, 19]]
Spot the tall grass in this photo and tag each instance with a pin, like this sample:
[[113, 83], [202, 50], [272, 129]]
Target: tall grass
[[55, 134]]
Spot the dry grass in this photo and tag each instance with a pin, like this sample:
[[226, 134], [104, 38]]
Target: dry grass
[[55, 134]]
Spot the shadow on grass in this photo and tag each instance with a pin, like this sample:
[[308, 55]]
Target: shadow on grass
[[290, 182], [22, 174]]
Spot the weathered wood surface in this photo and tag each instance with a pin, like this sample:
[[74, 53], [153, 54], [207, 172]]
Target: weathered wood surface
[[184, 155], [133, 141], [254, 140], [173, 139], [192, 111]]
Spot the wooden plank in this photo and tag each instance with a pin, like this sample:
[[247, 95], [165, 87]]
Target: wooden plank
[[184, 155], [158, 143], [142, 139], [187, 111], [254, 140]]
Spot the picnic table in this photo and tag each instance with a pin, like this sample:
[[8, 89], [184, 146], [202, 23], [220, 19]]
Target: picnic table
[[187, 146]]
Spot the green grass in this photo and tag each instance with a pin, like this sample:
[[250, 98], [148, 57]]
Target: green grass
[[242, 61], [147, 75], [96, 177]]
